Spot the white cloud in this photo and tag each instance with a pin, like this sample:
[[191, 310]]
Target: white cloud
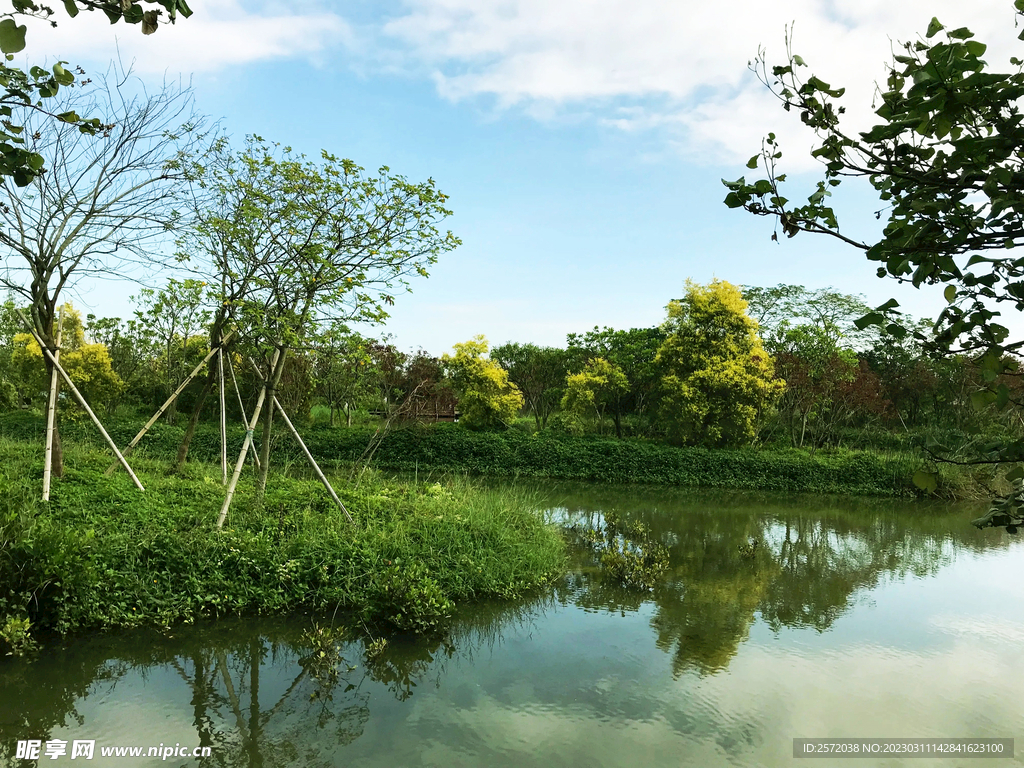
[[219, 34], [680, 66]]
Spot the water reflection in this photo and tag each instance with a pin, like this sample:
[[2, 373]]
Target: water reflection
[[573, 676], [814, 555], [251, 694]]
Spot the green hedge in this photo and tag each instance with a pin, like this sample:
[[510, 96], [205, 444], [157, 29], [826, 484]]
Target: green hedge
[[449, 447]]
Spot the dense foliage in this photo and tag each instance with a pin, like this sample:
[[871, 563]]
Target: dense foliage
[[946, 163], [718, 379]]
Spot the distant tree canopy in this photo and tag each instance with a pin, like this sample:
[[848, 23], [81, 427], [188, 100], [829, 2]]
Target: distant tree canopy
[[88, 364]]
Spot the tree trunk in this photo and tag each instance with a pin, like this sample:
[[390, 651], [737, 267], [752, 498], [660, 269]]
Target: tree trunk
[[216, 340], [173, 410], [618, 424], [43, 319], [268, 420], [193, 421]]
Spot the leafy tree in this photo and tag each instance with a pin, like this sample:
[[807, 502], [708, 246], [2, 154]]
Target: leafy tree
[[341, 368], [634, 352], [174, 315], [538, 372], [718, 378], [9, 325], [294, 243], [27, 90], [946, 162], [426, 383], [598, 385], [830, 316], [131, 346], [486, 396], [387, 372]]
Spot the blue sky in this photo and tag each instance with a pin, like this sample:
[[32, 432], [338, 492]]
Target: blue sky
[[582, 142]]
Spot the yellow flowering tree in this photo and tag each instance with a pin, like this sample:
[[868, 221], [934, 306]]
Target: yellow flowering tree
[[486, 397], [718, 379], [88, 365]]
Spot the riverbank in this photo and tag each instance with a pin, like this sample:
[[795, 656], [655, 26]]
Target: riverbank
[[446, 448], [101, 554]]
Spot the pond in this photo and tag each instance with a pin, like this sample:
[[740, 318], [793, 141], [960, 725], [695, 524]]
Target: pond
[[855, 618]]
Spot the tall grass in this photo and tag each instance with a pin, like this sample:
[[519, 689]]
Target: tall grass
[[102, 554]]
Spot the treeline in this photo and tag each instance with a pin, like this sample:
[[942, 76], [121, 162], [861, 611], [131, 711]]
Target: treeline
[[782, 366]]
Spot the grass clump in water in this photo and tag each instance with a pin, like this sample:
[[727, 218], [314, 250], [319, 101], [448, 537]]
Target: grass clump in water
[[629, 553], [102, 554]]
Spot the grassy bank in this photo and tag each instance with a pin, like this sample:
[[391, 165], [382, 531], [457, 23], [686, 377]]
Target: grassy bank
[[450, 448], [102, 554]]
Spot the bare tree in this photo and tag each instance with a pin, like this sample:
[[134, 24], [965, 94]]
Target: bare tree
[[106, 202]]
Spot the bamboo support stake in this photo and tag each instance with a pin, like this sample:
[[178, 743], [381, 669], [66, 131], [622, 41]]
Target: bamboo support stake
[[223, 421], [245, 448], [309, 456], [167, 404], [51, 413], [241, 405], [82, 402]]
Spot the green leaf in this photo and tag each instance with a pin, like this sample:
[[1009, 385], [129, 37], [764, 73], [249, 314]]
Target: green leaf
[[12, 37], [950, 294], [1002, 396], [933, 27], [872, 318], [1016, 473], [133, 14], [71, 8], [63, 76], [890, 304], [975, 48], [752, 162], [982, 398], [926, 481], [798, 60], [961, 33]]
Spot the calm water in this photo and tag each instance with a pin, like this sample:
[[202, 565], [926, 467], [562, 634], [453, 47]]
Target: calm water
[[857, 618]]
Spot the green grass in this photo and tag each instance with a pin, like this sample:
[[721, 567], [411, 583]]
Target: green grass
[[102, 554]]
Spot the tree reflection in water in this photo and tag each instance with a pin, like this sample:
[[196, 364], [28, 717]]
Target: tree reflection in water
[[815, 553], [299, 722]]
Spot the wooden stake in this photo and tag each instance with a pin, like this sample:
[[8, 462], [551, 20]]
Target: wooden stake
[[195, 372], [309, 456], [241, 405], [81, 401], [51, 413], [223, 421], [245, 449]]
